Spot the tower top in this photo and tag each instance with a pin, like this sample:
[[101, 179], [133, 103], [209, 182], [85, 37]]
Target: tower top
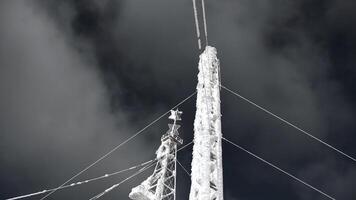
[[173, 128], [175, 115], [210, 50]]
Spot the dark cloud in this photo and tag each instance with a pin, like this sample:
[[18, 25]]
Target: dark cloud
[[77, 76], [55, 113]]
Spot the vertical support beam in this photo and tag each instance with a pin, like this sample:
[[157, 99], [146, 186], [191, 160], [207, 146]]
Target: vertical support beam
[[207, 170], [175, 173]]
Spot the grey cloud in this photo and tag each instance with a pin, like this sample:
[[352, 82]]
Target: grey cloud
[[55, 112]]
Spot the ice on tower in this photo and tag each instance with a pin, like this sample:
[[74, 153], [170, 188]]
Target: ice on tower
[[207, 175], [161, 185]]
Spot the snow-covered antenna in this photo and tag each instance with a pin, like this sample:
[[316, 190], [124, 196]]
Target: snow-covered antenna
[[161, 185], [207, 170]]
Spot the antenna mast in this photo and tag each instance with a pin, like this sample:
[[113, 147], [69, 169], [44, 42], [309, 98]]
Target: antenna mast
[[207, 170], [161, 185]]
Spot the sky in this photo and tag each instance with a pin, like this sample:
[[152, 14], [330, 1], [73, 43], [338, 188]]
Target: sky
[[77, 77]]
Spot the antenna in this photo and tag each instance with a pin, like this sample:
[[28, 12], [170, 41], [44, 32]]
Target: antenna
[[161, 185]]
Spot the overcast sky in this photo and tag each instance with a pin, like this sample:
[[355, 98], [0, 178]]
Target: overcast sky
[[77, 77]]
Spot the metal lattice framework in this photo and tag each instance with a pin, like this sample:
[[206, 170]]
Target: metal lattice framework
[[161, 185], [207, 170]]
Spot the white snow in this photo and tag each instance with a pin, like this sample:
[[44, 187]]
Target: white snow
[[156, 180], [162, 183], [207, 182]]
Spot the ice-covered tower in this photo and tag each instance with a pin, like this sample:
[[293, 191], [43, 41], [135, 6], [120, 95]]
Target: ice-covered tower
[[161, 185], [207, 171]]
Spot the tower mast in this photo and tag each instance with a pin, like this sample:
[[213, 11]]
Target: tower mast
[[161, 185], [207, 170]]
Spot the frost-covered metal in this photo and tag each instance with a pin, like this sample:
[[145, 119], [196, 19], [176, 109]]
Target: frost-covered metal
[[207, 171], [161, 185]]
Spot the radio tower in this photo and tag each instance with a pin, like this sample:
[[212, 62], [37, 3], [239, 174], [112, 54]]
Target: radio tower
[[161, 185], [207, 171]]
